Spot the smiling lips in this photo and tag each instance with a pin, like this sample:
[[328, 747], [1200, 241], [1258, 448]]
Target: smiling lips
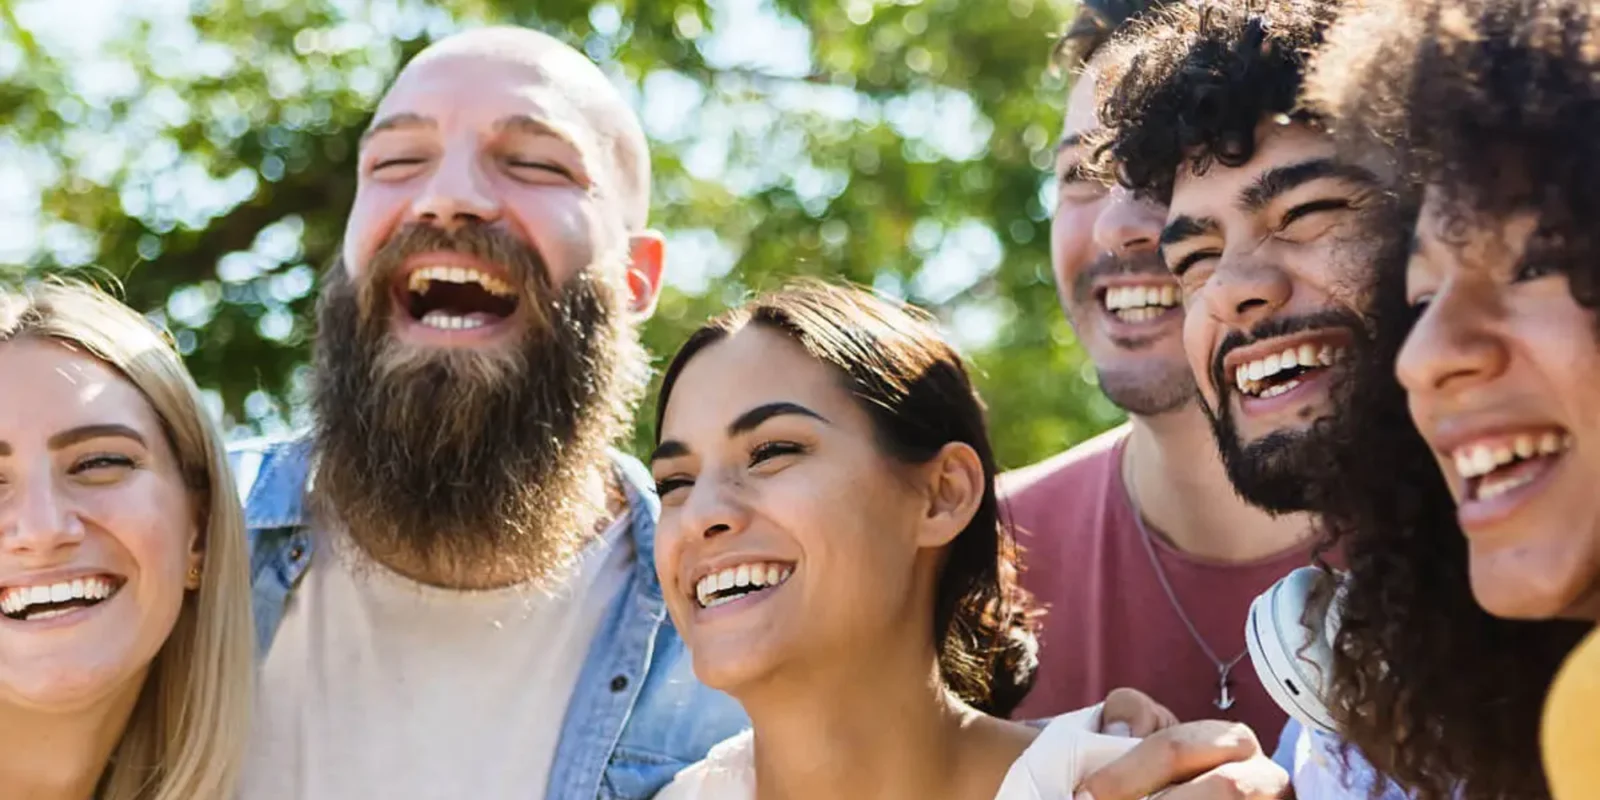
[[1276, 373], [1493, 466], [1139, 303], [731, 583], [47, 601]]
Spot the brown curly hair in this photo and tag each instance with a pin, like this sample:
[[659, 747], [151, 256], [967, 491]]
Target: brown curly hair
[[1493, 105], [1190, 82]]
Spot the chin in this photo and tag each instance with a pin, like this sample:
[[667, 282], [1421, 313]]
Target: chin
[[730, 672], [1522, 594]]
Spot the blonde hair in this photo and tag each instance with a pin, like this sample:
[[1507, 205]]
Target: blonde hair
[[185, 739]]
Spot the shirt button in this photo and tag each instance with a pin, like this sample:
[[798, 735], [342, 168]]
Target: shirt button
[[619, 683], [296, 552]]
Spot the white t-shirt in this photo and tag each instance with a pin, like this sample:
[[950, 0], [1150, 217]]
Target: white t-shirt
[[380, 687], [1066, 751]]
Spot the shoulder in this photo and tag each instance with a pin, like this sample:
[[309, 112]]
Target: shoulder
[[271, 475], [1069, 748], [728, 772], [1090, 458]]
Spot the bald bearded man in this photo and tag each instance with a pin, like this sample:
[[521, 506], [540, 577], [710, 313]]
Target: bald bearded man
[[453, 572]]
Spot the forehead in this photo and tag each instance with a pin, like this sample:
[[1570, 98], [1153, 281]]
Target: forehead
[[66, 388], [471, 90], [753, 367], [1082, 114], [1216, 189]]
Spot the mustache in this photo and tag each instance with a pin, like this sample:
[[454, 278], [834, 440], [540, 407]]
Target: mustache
[[485, 242], [1282, 326], [1109, 264]]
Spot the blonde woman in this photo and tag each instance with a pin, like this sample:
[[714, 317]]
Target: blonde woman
[[125, 629]]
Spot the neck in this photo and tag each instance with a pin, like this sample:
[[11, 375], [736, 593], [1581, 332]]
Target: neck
[[877, 728], [1178, 484], [46, 756]]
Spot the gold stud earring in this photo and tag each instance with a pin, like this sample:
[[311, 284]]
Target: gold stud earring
[[194, 577]]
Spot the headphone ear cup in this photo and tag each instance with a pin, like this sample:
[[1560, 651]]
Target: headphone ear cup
[[1294, 662]]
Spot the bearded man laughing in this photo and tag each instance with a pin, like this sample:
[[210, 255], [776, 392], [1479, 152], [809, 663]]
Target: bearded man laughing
[[453, 573]]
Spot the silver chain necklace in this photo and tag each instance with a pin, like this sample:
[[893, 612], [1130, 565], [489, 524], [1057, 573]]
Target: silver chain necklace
[[1225, 696]]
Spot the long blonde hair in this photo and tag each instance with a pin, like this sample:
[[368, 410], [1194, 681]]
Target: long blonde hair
[[185, 740]]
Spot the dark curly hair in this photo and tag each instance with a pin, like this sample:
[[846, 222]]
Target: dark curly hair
[[1189, 84], [915, 388], [1093, 26], [1493, 105]]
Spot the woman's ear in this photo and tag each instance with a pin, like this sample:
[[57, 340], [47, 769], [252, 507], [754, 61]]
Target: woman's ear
[[196, 559], [956, 485]]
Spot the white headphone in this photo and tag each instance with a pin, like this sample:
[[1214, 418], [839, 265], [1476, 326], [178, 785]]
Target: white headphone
[[1294, 662]]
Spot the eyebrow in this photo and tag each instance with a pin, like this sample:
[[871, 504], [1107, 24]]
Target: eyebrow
[[744, 423], [84, 433], [1273, 183], [1187, 227], [397, 122]]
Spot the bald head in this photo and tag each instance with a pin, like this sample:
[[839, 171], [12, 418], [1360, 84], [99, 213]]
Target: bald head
[[563, 79]]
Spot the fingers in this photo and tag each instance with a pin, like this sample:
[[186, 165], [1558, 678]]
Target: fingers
[[1172, 756], [1130, 712], [1255, 779]]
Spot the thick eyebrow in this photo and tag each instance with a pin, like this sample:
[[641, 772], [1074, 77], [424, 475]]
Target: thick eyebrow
[[1269, 185], [744, 423], [84, 433], [1187, 227], [404, 119]]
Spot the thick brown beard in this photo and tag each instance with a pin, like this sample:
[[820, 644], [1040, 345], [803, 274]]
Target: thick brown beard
[[467, 468]]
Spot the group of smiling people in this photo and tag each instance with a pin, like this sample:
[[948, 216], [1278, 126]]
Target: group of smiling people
[[1380, 215]]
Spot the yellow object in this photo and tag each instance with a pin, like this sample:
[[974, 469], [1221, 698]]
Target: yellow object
[[1570, 735]]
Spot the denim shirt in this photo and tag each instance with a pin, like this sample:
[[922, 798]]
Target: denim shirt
[[1318, 773], [637, 715]]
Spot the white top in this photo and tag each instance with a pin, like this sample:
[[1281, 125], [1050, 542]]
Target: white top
[[378, 686], [1068, 749]]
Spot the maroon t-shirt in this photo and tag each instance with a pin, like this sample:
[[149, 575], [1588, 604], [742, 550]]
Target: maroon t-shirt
[[1109, 623]]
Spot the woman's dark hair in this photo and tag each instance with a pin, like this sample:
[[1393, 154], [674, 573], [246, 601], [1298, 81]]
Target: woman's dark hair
[[1094, 25], [1190, 82], [1493, 104], [914, 387]]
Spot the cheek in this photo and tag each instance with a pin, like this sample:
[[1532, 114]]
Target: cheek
[[559, 223], [1071, 243], [150, 522], [377, 211], [1198, 334]]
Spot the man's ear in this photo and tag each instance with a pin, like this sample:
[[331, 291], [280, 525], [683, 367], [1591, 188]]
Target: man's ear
[[647, 256], [956, 485]]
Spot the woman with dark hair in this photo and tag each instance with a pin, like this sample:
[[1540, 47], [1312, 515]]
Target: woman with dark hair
[[1472, 526], [832, 553]]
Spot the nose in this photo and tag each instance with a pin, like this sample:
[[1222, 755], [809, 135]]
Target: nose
[[456, 194], [36, 520], [1451, 345], [714, 508], [1243, 292], [1127, 225]]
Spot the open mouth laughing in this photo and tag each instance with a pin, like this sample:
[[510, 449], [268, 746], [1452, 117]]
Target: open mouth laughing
[[736, 582], [36, 602], [1495, 466], [452, 297], [1139, 303]]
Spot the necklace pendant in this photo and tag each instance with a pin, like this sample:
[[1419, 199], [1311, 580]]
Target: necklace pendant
[[1224, 697]]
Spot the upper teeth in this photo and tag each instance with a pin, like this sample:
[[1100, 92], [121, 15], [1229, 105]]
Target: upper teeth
[[743, 575], [420, 278], [1479, 459], [1306, 355], [1119, 297], [18, 599]]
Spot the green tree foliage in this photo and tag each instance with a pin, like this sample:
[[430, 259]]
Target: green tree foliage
[[909, 149]]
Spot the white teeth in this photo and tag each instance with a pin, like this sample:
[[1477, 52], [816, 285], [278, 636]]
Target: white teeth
[[1274, 391], [754, 575], [420, 279], [446, 321], [1480, 459], [1304, 356], [18, 599], [1152, 297], [1307, 356], [1490, 488]]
